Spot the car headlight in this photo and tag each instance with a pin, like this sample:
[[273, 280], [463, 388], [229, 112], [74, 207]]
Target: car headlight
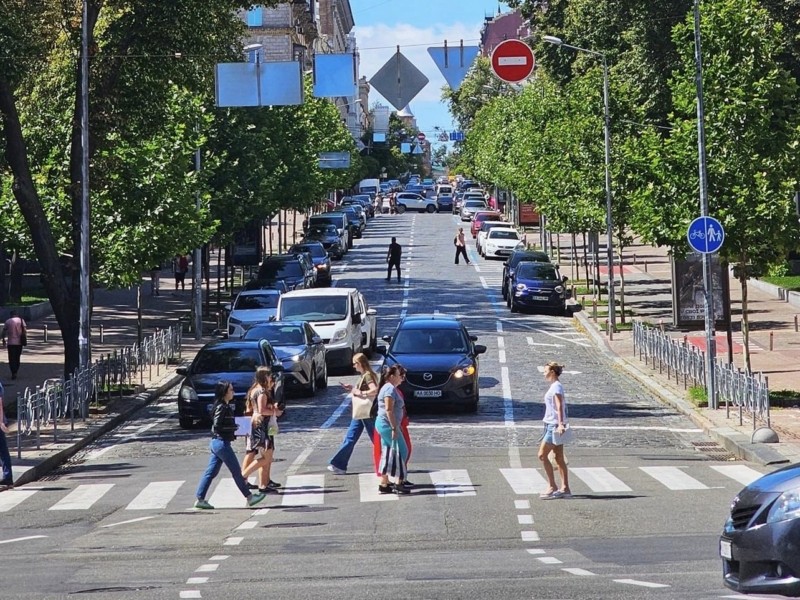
[[786, 507], [339, 334], [297, 358], [464, 372], [558, 289], [521, 287], [322, 267], [188, 394]]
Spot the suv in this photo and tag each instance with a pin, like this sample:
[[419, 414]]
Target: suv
[[294, 269], [319, 258], [409, 201], [537, 285], [337, 218], [517, 257], [327, 235]]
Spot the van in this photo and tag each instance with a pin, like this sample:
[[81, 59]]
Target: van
[[443, 189], [369, 186], [334, 218], [340, 316]]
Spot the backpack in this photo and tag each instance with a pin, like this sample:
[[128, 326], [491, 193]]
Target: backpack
[[455, 241]]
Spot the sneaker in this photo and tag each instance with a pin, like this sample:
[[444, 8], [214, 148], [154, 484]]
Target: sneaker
[[384, 489], [273, 485], [203, 504], [255, 499], [336, 470], [401, 489], [252, 486], [407, 483]]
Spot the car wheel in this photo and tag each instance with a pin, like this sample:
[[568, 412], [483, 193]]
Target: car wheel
[[431, 208], [472, 406], [512, 305], [508, 300], [185, 422], [401, 208], [311, 388], [322, 380]]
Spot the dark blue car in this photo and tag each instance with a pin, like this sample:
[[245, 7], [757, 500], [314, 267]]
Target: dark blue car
[[320, 258], [537, 285]]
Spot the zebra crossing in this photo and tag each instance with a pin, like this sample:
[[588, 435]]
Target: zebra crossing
[[313, 488]]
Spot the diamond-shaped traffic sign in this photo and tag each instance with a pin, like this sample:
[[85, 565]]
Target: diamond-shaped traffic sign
[[399, 81], [454, 62]]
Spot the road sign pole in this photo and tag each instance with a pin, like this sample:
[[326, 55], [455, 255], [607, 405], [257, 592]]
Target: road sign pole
[[708, 281]]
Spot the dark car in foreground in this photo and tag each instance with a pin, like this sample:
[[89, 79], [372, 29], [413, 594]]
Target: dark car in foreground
[[518, 256], [300, 350], [224, 360], [319, 258], [441, 360], [537, 285], [760, 543], [330, 238]]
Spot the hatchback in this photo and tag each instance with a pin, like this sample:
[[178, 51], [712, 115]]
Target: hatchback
[[518, 256], [250, 308], [479, 218], [537, 285], [470, 207]]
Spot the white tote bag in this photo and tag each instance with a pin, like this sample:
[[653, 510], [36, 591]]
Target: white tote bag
[[361, 407], [561, 439]]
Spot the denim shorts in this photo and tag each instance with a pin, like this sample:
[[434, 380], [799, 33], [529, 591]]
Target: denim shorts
[[547, 436]]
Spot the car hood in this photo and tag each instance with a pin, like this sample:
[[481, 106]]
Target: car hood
[[539, 283], [778, 481], [428, 362], [255, 315], [287, 352], [205, 383], [325, 239]]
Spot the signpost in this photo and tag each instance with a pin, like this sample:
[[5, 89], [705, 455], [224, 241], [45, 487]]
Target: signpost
[[513, 61], [705, 235]]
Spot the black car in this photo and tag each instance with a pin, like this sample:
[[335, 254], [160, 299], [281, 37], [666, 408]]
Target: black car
[[537, 285], [319, 257], [518, 256], [329, 237], [300, 350], [294, 269], [441, 360], [354, 221], [224, 360], [760, 540]]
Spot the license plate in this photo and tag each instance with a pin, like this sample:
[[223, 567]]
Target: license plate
[[725, 549], [428, 393], [540, 298]]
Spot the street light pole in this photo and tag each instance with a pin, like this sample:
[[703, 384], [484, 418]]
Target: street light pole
[[84, 354], [612, 312]]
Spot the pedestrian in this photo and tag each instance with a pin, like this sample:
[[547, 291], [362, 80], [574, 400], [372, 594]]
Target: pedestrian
[[461, 245], [5, 456], [16, 330], [394, 452], [155, 280], [393, 257], [181, 266], [262, 436], [364, 394], [223, 432], [555, 424]]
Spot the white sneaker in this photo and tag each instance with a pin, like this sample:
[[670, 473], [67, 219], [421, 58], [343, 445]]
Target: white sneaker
[[336, 470]]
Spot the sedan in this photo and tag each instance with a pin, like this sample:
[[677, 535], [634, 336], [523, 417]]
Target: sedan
[[500, 241], [250, 308], [444, 202], [327, 235], [441, 360], [300, 350], [470, 207], [320, 259], [537, 285], [235, 361], [759, 543]]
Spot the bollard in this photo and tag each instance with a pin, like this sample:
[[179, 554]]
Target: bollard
[[594, 309], [771, 341], [645, 266], [45, 328], [607, 327], [610, 332], [634, 259], [102, 334], [795, 324], [685, 340], [661, 325]]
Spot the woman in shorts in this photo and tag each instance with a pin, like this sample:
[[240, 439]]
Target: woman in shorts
[[262, 442], [555, 423]]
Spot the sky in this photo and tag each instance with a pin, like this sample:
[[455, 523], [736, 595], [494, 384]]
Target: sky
[[415, 25]]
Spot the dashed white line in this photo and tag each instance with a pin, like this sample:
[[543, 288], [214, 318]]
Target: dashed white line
[[522, 504], [525, 519], [190, 594], [196, 580], [248, 525], [577, 571], [128, 521], [23, 539], [549, 560], [535, 551], [647, 584], [530, 536], [233, 541], [207, 568]]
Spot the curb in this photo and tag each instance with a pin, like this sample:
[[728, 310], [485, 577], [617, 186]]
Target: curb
[[732, 440], [141, 400]]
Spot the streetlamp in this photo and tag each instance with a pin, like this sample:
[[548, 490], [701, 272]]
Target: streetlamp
[[612, 317]]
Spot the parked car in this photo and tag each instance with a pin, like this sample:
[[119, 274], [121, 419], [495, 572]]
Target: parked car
[[408, 201], [484, 230], [294, 269], [470, 207], [356, 221], [300, 350], [760, 539], [427, 184], [229, 360], [537, 285], [500, 241], [367, 202], [319, 257], [340, 220], [444, 202], [327, 235], [518, 256], [479, 217], [250, 308], [359, 210], [441, 360]]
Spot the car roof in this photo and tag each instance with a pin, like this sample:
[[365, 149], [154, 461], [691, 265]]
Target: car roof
[[260, 292], [291, 323], [231, 343], [280, 257], [436, 321], [536, 254], [337, 291]]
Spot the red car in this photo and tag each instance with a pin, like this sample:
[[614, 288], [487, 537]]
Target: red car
[[482, 216]]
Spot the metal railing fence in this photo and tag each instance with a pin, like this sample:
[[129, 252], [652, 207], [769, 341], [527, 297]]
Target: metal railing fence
[[59, 399]]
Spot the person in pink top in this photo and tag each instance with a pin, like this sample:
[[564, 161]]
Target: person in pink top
[[15, 330]]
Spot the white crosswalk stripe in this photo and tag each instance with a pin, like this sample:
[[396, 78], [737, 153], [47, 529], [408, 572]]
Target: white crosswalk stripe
[[227, 495], [452, 482], [83, 496], [368, 489], [302, 490], [673, 478], [525, 481], [11, 498], [155, 496], [741, 473], [599, 479]]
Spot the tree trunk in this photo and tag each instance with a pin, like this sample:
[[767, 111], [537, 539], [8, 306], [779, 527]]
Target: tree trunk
[[16, 278], [621, 296], [586, 260], [3, 265]]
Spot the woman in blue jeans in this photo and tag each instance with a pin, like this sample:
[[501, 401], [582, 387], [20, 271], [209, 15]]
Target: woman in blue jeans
[[223, 432], [366, 388]]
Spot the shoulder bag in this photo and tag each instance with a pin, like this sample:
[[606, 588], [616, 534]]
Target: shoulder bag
[[561, 439]]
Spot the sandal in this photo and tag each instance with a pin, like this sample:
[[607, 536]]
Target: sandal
[[548, 494]]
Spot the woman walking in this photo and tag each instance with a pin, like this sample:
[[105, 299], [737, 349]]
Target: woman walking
[[394, 452], [364, 393], [223, 432], [555, 424], [262, 439], [461, 245]]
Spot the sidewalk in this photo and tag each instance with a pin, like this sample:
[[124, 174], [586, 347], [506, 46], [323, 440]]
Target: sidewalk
[[774, 347]]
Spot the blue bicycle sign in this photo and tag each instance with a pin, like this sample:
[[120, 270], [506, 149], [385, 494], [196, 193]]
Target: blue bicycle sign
[[705, 235]]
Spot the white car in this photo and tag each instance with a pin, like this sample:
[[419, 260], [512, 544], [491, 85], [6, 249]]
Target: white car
[[500, 242], [251, 308], [411, 201], [486, 227]]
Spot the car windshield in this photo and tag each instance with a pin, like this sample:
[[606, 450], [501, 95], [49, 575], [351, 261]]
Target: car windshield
[[256, 301], [320, 308], [335, 220], [489, 217], [475, 204], [322, 230], [533, 270], [315, 250], [278, 335], [431, 341], [221, 359], [278, 269], [497, 234]]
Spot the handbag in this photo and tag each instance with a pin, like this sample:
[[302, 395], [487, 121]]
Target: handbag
[[272, 427], [24, 337], [362, 408], [568, 437]]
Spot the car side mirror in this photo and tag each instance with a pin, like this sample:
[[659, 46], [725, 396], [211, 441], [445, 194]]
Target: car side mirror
[[277, 368], [564, 279], [480, 349], [473, 338], [371, 312], [316, 340], [381, 350], [387, 338], [182, 371]]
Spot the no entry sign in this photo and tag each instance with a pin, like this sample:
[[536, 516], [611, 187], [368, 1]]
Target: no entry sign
[[512, 61]]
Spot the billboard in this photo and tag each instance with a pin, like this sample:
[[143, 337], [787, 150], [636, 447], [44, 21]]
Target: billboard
[[688, 293], [528, 215]]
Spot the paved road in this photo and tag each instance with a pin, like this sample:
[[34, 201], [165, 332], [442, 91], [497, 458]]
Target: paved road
[[651, 491]]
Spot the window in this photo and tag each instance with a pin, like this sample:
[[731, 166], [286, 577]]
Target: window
[[255, 16], [321, 308], [257, 302]]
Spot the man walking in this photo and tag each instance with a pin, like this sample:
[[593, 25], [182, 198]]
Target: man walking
[[461, 245], [16, 330], [393, 258], [5, 457]]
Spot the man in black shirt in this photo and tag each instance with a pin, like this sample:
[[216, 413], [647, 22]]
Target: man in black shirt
[[393, 258]]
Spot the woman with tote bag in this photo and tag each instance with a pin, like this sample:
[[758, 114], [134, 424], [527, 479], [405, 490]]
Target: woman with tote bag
[[556, 434]]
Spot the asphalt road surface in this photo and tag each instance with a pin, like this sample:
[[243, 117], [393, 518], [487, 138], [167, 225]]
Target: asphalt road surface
[[651, 491]]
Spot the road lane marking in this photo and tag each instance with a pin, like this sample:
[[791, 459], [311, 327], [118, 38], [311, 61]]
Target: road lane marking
[[233, 541], [207, 568], [23, 539], [529, 536], [452, 482], [248, 525], [525, 519], [190, 594], [647, 584], [196, 580], [83, 496], [10, 498], [137, 520], [227, 495], [483, 283], [673, 478], [577, 571], [522, 504], [532, 343], [368, 489], [524, 481], [549, 560], [535, 551], [155, 496], [741, 473], [599, 479], [303, 490], [514, 459]]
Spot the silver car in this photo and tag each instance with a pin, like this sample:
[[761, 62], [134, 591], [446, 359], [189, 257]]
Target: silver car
[[251, 308], [470, 207]]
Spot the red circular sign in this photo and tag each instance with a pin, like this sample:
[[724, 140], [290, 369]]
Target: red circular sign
[[420, 136], [513, 61]]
